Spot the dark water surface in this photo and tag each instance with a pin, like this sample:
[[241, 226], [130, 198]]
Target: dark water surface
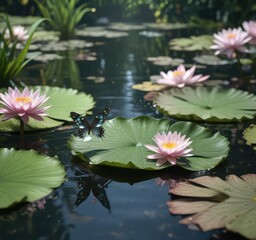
[[117, 204]]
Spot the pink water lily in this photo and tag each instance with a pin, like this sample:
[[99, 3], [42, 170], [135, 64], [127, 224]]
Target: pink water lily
[[250, 28], [181, 77], [169, 147], [23, 104], [19, 33], [230, 40]]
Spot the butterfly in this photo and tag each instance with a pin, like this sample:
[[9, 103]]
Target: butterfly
[[95, 127]]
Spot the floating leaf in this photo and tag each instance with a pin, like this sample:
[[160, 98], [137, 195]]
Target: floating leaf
[[212, 60], [46, 36], [62, 100], [100, 32], [216, 203], [27, 176], [125, 26], [65, 45], [165, 61], [65, 100], [124, 140], [150, 34], [167, 26], [207, 104], [193, 43], [45, 57], [148, 86], [250, 136]]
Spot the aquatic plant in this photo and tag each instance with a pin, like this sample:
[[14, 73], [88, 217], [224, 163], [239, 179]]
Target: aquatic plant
[[213, 203], [207, 104], [58, 113], [26, 104], [181, 77], [63, 15], [12, 59], [170, 147], [229, 41], [19, 34], [27, 176], [124, 142], [250, 28]]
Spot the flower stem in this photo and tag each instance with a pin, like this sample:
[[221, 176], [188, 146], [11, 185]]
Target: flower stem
[[21, 134]]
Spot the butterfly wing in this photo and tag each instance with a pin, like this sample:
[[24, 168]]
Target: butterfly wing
[[83, 125], [96, 126]]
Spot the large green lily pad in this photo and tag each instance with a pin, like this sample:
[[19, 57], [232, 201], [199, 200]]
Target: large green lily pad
[[124, 140], [27, 176], [207, 104], [62, 100], [215, 203]]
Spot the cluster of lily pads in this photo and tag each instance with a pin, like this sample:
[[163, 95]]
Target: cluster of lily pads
[[125, 141], [211, 202]]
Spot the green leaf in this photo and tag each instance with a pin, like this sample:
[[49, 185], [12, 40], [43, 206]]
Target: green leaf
[[63, 101], [193, 43], [26, 176], [216, 203], [207, 104], [124, 140], [250, 135]]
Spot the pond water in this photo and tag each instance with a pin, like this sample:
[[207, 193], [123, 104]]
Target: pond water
[[106, 203]]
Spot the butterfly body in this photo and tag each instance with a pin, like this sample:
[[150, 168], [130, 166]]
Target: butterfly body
[[95, 127]]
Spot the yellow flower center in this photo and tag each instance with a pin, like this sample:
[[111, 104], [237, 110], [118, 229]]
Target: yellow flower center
[[231, 35], [169, 145], [23, 100], [178, 73]]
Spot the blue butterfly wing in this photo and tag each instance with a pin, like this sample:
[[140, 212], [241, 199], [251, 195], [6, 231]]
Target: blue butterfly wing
[[83, 125], [96, 126]]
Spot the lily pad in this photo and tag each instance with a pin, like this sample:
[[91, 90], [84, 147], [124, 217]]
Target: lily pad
[[165, 61], [27, 176], [62, 100], [207, 104], [124, 140], [250, 136], [167, 26], [148, 86], [100, 32], [216, 203], [65, 100], [212, 60], [193, 43], [42, 35], [150, 34], [125, 26]]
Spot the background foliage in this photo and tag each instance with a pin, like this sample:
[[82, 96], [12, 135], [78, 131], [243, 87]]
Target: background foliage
[[160, 10]]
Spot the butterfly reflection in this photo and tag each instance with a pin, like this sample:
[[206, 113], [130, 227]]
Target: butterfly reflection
[[95, 184], [84, 127]]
